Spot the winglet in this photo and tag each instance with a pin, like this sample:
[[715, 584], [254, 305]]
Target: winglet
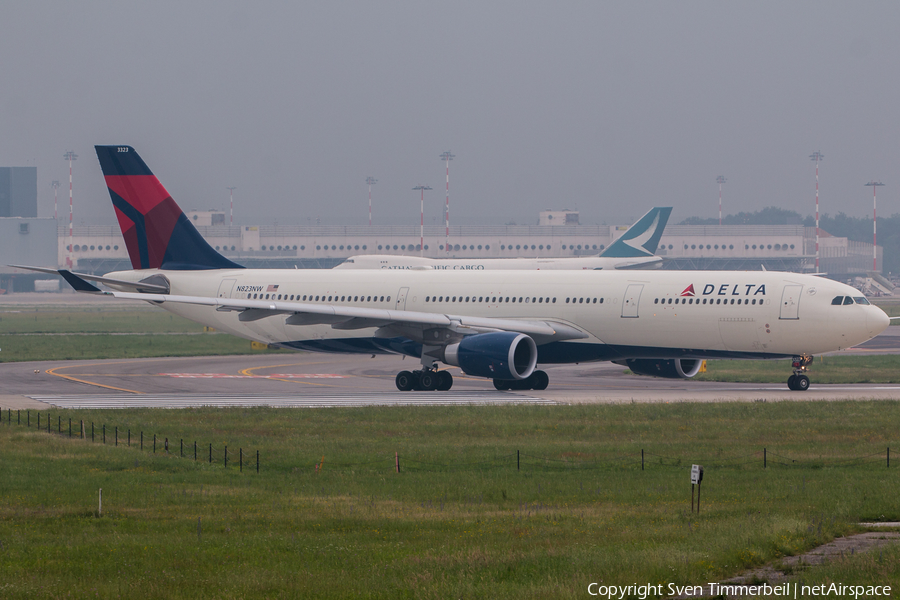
[[642, 238]]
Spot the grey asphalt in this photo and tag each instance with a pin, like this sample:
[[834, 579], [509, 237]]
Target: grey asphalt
[[309, 380]]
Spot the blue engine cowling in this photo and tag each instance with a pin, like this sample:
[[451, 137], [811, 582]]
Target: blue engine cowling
[[679, 368], [500, 355]]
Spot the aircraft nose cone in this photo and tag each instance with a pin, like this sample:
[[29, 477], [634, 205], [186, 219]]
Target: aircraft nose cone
[[877, 321]]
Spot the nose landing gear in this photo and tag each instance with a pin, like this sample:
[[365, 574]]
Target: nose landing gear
[[799, 382]]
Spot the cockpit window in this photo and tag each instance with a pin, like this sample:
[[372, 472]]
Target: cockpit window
[[848, 300], [861, 300], [838, 300]]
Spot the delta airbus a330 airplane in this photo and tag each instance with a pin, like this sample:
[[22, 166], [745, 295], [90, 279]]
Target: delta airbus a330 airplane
[[634, 249], [494, 324]]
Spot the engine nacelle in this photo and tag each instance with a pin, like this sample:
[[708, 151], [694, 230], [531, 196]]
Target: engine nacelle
[[679, 368], [500, 355]]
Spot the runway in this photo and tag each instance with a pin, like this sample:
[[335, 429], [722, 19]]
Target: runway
[[304, 380]]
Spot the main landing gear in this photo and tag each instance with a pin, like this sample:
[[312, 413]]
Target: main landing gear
[[428, 379], [799, 382], [538, 380]]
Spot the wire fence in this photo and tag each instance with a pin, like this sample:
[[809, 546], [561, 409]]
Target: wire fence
[[112, 435], [644, 460]]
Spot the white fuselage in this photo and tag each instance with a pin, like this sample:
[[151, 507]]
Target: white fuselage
[[623, 313], [580, 263]]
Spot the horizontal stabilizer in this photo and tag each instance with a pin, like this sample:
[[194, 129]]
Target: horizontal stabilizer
[[140, 286]]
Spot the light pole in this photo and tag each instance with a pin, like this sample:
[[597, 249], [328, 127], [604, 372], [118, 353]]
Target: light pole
[[875, 185], [422, 220], [720, 180], [55, 185], [817, 156], [231, 217], [370, 181], [446, 156], [70, 156]]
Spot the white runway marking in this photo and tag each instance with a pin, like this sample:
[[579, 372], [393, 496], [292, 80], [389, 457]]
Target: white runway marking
[[337, 400], [273, 376]]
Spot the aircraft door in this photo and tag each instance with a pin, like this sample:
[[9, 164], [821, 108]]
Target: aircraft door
[[631, 300], [225, 288], [401, 299], [790, 302]]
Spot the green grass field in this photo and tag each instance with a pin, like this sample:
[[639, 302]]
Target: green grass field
[[328, 516], [92, 332], [876, 368]]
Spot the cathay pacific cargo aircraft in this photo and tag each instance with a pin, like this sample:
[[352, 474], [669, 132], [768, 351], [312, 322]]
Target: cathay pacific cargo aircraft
[[495, 324], [635, 249]]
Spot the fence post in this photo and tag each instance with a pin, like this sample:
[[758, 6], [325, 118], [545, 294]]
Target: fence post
[[226, 456], [39, 420], [210, 454], [241, 460], [142, 440], [764, 458], [195, 449], [154, 443], [129, 438], [117, 436], [397, 459], [59, 424], [29, 418], [642, 459], [257, 461]]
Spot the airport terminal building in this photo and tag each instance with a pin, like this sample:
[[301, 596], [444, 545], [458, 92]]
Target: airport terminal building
[[776, 247]]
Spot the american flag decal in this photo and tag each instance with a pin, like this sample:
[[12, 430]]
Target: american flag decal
[[272, 288]]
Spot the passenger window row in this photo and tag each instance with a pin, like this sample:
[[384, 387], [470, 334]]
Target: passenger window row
[[322, 298], [697, 301], [491, 299]]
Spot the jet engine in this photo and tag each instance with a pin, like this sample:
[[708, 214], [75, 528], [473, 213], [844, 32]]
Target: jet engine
[[679, 368], [498, 355]]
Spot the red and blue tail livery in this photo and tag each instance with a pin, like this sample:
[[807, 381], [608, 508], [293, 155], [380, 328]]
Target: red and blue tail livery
[[157, 233]]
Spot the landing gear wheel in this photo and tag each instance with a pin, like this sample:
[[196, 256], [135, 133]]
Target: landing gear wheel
[[428, 381], [502, 384], [539, 380], [445, 381], [801, 384], [792, 383], [405, 381]]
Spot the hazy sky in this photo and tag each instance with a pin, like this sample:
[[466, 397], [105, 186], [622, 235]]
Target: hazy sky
[[607, 107]]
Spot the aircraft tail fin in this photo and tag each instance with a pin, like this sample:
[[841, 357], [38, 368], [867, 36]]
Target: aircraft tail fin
[[157, 233], [642, 238]]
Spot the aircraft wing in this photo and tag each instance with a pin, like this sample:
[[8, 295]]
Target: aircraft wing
[[432, 328], [412, 324]]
